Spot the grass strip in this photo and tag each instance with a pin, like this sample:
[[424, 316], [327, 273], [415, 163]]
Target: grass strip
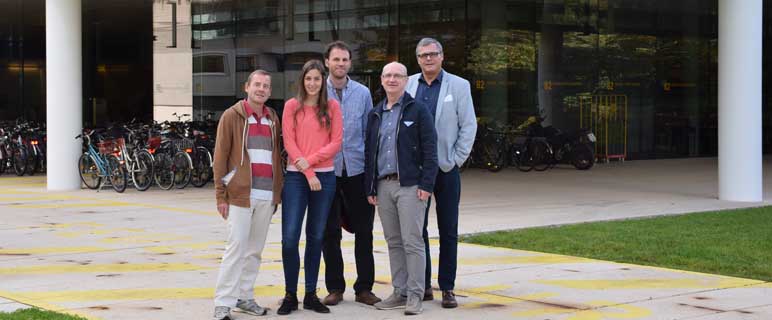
[[733, 242], [37, 314]]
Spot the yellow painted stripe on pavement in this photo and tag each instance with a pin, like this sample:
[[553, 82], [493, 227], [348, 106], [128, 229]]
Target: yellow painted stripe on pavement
[[38, 198], [26, 185], [75, 205], [483, 293], [80, 233], [48, 250], [140, 294], [67, 225], [14, 191], [536, 259], [197, 246], [715, 283], [614, 311], [113, 268], [145, 238]]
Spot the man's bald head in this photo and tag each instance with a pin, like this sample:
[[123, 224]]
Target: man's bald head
[[394, 79], [395, 66]]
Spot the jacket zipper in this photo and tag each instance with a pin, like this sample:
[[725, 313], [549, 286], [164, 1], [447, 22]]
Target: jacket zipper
[[375, 160], [396, 138]]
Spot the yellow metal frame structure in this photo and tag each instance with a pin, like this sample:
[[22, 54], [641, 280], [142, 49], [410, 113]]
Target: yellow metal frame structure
[[606, 116]]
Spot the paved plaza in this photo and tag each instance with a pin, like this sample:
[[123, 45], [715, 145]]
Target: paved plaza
[[154, 254]]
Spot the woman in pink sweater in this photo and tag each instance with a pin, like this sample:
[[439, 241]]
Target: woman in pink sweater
[[312, 126]]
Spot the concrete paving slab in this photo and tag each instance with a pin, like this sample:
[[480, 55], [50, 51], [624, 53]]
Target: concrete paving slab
[[142, 255], [12, 306]]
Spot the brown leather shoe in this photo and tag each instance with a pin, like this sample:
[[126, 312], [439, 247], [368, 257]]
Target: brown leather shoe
[[333, 298], [428, 294], [367, 297], [449, 299]]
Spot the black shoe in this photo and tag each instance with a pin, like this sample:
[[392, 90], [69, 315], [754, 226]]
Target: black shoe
[[288, 304], [428, 294], [311, 301], [449, 299]]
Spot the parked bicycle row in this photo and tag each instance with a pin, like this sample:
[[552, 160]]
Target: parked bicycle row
[[531, 146], [168, 154], [22, 147]]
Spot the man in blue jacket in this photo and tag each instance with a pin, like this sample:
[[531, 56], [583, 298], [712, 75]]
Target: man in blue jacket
[[449, 100], [400, 168]]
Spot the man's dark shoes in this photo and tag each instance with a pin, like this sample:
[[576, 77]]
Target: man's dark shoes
[[288, 304], [449, 299], [311, 301], [333, 298], [428, 294], [367, 297]]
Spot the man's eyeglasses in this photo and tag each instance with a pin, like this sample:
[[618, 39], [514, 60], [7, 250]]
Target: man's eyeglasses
[[428, 55], [393, 76]]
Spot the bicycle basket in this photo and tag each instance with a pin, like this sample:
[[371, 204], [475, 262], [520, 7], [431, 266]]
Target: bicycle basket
[[106, 146], [183, 144]]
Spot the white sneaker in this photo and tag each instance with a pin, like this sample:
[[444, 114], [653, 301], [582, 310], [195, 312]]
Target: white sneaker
[[394, 301], [222, 313], [250, 307], [413, 306]]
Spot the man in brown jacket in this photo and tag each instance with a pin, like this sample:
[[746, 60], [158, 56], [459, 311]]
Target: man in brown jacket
[[248, 183]]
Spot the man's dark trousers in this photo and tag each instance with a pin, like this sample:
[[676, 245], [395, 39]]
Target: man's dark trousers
[[351, 201], [447, 192]]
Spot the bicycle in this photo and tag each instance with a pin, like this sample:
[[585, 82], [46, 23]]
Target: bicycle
[[94, 167], [137, 159]]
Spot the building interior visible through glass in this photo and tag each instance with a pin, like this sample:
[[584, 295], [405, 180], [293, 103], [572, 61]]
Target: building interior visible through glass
[[647, 66]]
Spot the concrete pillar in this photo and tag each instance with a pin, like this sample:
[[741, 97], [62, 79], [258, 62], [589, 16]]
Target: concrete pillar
[[64, 92], [739, 100]]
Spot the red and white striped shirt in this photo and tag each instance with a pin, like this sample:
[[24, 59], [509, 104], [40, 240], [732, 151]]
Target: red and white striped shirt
[[260, 150]]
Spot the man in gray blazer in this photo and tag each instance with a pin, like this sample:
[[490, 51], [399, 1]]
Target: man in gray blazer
[[449, 99]]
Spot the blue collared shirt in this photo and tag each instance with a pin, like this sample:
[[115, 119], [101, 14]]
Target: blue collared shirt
[[387, 145], [355, 104], [429, 94]]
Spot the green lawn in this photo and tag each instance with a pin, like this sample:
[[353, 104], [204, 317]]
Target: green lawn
[[36, 314], [733, 242]]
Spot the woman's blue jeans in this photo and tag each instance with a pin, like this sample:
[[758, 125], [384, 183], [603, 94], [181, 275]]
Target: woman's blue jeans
[[295, 198]]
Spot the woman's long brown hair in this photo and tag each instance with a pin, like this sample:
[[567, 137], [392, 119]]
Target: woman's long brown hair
[[322, 113]]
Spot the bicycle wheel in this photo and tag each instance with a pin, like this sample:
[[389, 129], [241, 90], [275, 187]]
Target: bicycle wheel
[[583, 157], [142, 171], [494, 157], [19, 161], [202, 168], [182, 169], [541, 155], [118, 176], [163, 171], [30, 159], [523, 158], [3, 158], [89, 171]]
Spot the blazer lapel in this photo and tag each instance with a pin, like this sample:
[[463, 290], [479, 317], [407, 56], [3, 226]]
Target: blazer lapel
[[412, 85], [441, 98]]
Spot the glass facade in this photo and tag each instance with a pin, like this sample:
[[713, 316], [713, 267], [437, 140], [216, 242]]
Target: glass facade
[[658, 59], [117, 60], [647, 66]]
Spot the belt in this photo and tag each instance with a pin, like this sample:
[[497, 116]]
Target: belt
[[392, 176]]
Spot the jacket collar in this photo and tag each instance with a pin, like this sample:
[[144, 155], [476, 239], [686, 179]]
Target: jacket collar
[[268, 111], [405, 102]]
